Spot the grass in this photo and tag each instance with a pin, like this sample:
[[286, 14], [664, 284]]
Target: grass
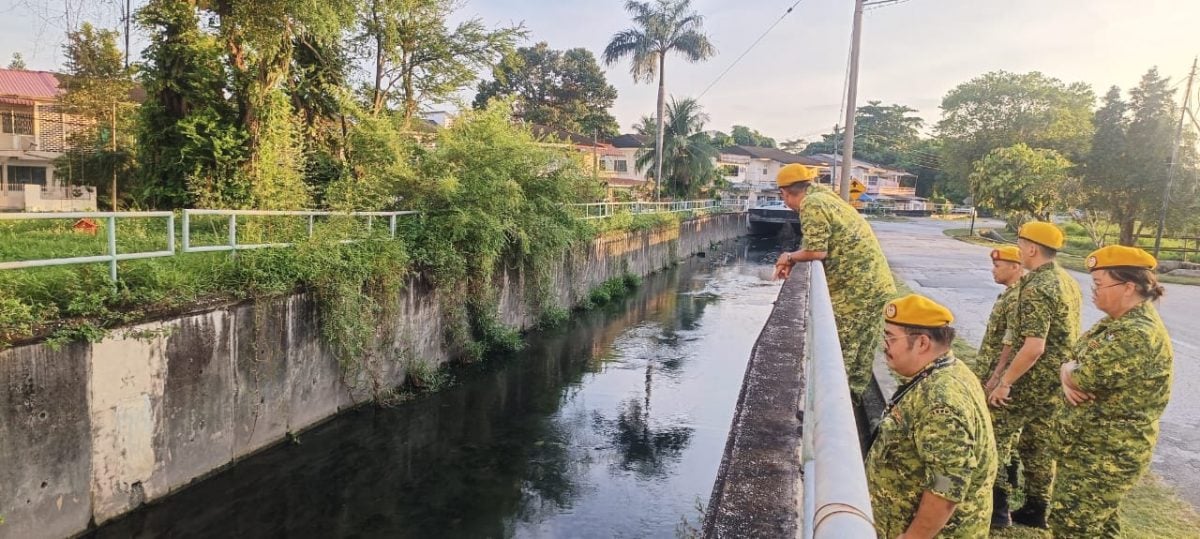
[[1072, 256], [65, 303], [78, 301], [1151, 510]]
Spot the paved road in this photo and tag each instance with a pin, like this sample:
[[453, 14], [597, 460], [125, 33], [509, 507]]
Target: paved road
[[958, 275]]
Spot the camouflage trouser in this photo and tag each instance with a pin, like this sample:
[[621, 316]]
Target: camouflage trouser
[[1030, 424], [1092, 481], [859, 334]]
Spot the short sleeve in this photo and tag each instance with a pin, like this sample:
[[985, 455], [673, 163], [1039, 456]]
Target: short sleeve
[[1109, 361], [817, 228], [945, 449], [1033, 314]]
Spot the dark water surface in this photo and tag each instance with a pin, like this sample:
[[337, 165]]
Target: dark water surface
[[613, 426]]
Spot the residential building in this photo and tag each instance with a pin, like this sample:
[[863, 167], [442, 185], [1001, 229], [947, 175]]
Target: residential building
[[885, 186], [614, 166], [34, 131], [751, 171]]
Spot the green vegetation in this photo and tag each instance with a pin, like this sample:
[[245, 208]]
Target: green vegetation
[[1078, 246], [1151, 510], [659, 29], [500, 200], [610, 291]]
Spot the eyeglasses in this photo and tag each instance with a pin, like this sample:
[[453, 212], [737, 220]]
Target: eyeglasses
[[1099, 288], [889, 339]]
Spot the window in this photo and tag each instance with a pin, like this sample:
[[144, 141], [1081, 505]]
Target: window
[[17, 123], [765, 171], [731, 170], [872, 180], [621, 165], [31, 175], [604, 164]]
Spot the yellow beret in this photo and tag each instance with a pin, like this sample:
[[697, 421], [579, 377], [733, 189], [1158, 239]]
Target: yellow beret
[[918, 312], [1120, 256], [795, 173], [1007, 253], [1042, 233]]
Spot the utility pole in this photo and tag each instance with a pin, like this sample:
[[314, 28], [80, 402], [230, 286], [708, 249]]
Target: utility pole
[[1162, 214], [114, 156], [833, 177], [851, 101], [126, 15]]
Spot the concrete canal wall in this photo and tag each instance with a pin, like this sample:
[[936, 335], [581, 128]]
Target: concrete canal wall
[[90, 431]]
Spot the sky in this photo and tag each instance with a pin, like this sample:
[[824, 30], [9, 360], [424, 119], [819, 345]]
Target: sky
[[791, 84]]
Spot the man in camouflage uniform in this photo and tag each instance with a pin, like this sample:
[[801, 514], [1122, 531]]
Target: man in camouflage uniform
[[1006, 271], [860, 282], [996, 349], [1117, 387], [932, 464], [1026, 395]]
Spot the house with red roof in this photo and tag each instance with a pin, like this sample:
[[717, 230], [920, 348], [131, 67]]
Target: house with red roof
[[34, 131]]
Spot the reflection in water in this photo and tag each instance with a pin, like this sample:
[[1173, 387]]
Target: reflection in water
[[645, 449], [611, 427]]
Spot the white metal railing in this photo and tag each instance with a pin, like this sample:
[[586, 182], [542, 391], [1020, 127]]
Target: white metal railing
[[836, 501], [233, 245], [112, 257], [601, 210]]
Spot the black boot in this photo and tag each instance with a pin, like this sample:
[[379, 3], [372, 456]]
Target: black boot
[[1013, 470], [1032, 514], [1000, 516]]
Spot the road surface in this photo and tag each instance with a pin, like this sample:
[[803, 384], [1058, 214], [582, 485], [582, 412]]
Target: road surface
[[958, 275]]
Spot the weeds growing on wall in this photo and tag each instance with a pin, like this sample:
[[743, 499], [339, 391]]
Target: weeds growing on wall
[[494, 203]]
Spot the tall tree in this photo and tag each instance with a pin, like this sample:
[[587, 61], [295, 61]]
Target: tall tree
[[885, 134], [1111, 182], [416, 58], [189, 138], [796, 145], [97, 95], [688, 158], [17, 62], [1021, 181], [744, 136], [660, 28], [1000, 109], [1151, 140], [563, 89]]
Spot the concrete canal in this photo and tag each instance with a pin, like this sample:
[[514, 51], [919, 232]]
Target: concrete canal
[[613, 426]]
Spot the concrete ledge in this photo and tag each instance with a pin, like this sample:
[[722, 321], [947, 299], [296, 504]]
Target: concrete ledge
[[758, 487]]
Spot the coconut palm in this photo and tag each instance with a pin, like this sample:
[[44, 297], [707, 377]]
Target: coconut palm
[[660, 27], [688, 155]]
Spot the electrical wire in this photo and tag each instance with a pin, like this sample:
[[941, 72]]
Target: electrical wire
[[747, 51]]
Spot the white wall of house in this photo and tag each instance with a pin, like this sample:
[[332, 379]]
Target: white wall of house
[[623, 163]]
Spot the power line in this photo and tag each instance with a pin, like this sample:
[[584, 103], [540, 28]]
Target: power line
[[747, 51]]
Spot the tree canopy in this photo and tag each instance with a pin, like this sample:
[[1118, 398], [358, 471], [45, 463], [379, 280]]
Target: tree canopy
[[1000, 109], [1022, 181], [563, 89]]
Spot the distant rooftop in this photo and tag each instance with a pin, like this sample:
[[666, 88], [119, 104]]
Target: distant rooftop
[[774, 154]]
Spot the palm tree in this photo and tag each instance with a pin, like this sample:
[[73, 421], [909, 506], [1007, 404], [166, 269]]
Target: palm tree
[[660, 27], [687, 151]]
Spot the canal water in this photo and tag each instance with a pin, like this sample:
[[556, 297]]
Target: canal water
[[612, 426]]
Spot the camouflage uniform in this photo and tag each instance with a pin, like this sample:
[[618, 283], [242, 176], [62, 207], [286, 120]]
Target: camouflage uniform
[[995, 338], [860, 282], [996, 335], [937, 438], [1048, 307], [1126, 364]]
